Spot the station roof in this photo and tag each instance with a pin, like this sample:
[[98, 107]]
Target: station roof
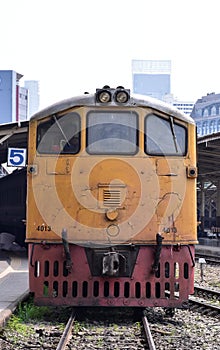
[[12, 135], [208, 153]]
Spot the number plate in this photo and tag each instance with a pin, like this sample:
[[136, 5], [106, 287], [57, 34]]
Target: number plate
[[17, 157]]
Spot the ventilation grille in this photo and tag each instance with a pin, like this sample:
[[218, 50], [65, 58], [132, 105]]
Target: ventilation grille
[[111, 196]]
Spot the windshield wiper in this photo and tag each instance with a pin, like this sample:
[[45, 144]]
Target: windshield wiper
[[173, 133], [59, 126]]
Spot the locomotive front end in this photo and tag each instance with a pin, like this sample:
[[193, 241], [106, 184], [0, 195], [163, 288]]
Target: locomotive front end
[[111, 202]]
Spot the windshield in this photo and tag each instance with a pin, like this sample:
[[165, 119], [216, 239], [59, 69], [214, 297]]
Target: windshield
[[112, 132], [164, 136], [59, 135]]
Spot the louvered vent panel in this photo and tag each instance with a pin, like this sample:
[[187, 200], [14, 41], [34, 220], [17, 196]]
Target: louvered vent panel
[[111, 198], [111, 195]]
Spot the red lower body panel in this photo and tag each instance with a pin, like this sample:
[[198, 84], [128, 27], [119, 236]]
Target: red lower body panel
[[168, 287]]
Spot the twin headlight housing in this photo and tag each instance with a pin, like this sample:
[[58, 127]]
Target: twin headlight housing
[[107, 95]]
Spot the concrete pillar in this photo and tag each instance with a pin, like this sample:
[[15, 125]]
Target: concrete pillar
[[210, 213], [218, 205], [202, 206]]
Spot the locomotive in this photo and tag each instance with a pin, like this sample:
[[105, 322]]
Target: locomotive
[[111, 202]]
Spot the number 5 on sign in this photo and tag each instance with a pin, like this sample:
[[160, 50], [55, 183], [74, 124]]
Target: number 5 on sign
[[17, 157]]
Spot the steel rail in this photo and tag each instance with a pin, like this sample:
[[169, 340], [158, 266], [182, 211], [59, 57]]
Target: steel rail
[[148, 334], [207, 292], [65, 336], [204, 305]]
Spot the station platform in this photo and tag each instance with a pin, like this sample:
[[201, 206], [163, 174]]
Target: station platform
[[14, 284], [210, 247]]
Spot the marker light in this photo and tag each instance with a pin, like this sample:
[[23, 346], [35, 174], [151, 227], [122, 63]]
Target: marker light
[[121, 96]]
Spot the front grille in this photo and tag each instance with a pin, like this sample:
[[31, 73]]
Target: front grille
[[52, 284]]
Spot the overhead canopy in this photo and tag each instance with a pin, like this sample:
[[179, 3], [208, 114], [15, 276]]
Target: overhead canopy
[[12, 135], [208, 150], [208, 209]]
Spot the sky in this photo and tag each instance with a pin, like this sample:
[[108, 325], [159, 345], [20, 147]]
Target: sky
[[73, 46]]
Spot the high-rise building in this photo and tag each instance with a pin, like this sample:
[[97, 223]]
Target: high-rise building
[[23, 103], [33, 96], [13, 98], [151, 77]]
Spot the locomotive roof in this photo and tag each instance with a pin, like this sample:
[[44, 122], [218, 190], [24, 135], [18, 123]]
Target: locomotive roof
[[90, 101]]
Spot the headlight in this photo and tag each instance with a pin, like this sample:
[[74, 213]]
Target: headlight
[[103, 95], [121, 96]]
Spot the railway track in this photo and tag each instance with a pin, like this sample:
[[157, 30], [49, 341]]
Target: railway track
[[206, 293], [109, 330], [204, 307], [104, 335], [206, 301]]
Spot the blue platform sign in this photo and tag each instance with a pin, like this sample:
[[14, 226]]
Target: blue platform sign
[[17, 157]]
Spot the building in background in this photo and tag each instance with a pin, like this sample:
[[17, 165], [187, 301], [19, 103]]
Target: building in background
[[206, 113], [13, 98], [153, 78], [33, 96], [23, 104], [184, 106]]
